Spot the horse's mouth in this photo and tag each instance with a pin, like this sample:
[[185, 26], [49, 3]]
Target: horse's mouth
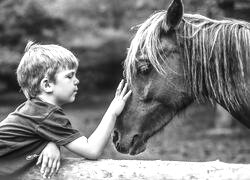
[[134, 150]]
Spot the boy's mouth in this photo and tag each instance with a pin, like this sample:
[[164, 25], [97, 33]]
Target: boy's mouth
[[76, 90]]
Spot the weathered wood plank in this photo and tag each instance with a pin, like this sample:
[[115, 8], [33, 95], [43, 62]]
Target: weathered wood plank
[[76, 169]]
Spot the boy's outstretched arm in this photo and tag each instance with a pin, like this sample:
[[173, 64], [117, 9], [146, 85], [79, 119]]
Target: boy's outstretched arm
[[50, 160], [92, 147]]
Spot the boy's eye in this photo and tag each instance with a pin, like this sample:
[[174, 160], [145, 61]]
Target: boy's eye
[[69, 76]]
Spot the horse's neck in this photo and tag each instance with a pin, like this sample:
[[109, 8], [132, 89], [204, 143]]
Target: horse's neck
[[223, 74], [242, 112]]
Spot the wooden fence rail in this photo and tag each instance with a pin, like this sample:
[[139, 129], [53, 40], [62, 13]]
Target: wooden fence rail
[[81, 169]]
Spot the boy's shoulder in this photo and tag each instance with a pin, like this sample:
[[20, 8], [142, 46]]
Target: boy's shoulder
[[33, 110], [37, 108]]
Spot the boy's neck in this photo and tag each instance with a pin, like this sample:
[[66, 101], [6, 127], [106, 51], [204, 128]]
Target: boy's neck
[[48, 99]]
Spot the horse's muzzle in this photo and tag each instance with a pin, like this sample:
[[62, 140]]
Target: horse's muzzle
[[128, 146]]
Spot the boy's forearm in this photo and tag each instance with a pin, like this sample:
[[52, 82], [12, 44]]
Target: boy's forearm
[[100, 136], [92, 147]]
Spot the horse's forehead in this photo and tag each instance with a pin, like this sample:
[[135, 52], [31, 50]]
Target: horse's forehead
[[165, 44], [168, 43]]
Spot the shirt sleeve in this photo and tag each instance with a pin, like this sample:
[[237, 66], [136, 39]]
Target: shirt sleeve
[[58, 129]]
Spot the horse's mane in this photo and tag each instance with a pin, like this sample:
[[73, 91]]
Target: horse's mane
[[215, 54]]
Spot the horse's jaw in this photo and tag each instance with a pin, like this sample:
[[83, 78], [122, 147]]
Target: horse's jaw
[[134, 142], [134, 151], [141, 145]]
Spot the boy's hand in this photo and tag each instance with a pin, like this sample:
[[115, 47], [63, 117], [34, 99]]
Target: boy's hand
[[120, 99], [50, 160]]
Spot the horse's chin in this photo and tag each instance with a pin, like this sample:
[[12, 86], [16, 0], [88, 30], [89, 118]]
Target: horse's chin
[[132, 150], [137, 150]]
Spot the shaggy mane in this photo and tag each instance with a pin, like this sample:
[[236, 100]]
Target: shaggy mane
[[215, 54]]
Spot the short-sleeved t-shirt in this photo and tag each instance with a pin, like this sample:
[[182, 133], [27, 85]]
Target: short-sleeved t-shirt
[[25, 132]]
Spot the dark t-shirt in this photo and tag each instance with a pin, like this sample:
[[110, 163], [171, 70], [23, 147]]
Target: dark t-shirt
[[26, 131]]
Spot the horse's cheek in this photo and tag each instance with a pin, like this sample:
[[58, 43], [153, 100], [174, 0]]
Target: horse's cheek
[[130, 114]]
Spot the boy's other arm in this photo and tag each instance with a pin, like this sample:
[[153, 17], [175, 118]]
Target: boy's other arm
[[92, 147], [50, 160]]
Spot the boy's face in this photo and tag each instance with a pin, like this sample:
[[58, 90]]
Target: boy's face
[[65, 86]]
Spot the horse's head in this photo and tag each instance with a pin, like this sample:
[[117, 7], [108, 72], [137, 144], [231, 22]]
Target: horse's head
[[176, 58], [154, 70]]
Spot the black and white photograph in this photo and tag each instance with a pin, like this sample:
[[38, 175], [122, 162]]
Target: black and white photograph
[[125, 89]]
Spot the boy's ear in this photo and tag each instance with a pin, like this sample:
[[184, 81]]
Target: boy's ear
[[46, 85]]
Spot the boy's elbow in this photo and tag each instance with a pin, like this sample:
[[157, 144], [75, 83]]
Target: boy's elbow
[[94, 151], [94, 158], [94, 155]]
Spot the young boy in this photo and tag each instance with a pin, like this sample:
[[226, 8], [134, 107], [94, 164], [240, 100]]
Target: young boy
[[47, 77]]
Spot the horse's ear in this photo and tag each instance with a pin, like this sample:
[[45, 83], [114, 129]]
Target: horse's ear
[[174, 14]]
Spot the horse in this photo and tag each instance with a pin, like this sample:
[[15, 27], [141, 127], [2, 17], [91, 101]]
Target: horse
[[175, 59]]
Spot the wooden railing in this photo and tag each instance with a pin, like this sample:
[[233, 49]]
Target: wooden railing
[[81, 169]]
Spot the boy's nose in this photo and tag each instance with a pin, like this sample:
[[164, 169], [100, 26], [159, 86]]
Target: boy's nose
[[77, 81]]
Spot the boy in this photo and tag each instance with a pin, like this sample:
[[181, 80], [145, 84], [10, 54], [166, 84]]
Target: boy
[[47, 77]]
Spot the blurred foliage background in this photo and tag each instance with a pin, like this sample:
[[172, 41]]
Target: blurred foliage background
[[98, 32]]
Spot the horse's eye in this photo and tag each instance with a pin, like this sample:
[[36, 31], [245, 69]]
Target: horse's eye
[[144, 68]]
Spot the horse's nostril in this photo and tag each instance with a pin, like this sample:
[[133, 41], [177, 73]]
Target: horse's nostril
[[135, 139], [115, 136], [117, 144]]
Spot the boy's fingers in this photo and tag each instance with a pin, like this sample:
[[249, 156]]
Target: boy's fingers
[[39, 160], [118, 90], [53, 169], [46, 172], [49, 164], [124, 90], [48, 168], [127, 95], [44, 164], [58, 166]]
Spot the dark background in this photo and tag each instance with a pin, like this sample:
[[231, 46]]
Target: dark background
[[98, 32]]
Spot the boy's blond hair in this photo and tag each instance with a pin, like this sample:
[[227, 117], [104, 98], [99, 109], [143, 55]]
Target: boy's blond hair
[[41, 61]]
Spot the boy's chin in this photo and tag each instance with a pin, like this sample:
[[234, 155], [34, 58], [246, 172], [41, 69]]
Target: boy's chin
[[72, 99]]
